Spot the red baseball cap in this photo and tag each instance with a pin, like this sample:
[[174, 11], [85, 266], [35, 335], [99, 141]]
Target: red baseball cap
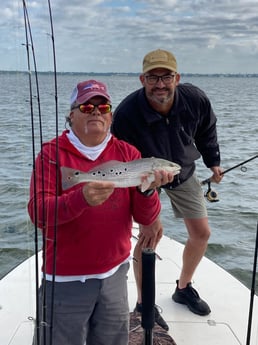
[[87, 89]]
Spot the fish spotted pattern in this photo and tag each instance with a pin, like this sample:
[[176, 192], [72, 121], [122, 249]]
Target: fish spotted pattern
[[139, 172]]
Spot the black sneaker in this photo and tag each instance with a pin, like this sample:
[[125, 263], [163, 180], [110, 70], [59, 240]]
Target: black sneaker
[[158, 318], [191, 298]]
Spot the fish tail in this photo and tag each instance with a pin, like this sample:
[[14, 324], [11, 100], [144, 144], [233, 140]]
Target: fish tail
[[69, 178]]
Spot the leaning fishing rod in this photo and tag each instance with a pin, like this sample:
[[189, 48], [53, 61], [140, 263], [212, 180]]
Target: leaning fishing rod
[[211, 195], [51, 34], [29, 44], [248, 337]]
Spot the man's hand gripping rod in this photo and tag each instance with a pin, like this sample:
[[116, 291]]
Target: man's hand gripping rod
[[212, 195]]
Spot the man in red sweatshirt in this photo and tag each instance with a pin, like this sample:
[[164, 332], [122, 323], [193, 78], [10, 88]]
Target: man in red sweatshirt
[[87, 228]]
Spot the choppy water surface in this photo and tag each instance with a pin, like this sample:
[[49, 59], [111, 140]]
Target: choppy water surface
[[233, 219]]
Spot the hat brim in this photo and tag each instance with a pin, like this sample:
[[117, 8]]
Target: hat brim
[[149, 68]]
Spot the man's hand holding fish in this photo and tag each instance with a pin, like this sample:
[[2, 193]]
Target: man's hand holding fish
[[95, 193], [162, 177]]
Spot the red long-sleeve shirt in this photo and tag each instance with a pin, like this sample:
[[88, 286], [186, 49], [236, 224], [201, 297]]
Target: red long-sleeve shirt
[[89, 239]]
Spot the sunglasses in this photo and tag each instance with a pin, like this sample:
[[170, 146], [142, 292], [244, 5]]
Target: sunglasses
[[89, 108]]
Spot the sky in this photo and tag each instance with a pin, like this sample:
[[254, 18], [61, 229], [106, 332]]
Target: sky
[[206, 36]]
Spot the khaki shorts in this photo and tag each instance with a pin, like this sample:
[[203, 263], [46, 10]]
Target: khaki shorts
[[188, 200]]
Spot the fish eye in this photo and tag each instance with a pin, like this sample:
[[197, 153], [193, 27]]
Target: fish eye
[[76, 173]]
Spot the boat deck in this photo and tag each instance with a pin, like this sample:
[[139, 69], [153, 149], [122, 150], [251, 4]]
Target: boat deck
[[228, 299]]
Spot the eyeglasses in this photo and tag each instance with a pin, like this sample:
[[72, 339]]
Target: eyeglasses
[[89, 108], [166, 79]]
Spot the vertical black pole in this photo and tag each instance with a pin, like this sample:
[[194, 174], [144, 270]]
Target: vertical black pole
[[248, 338], [148, 294]]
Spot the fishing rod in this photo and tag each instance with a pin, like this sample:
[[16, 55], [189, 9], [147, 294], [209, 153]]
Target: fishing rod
[[29, 44], [51, 34], [148, 294], [211, 195], [248, 337]]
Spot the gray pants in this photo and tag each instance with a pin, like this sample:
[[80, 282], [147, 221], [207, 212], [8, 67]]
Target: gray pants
[[93, 313]]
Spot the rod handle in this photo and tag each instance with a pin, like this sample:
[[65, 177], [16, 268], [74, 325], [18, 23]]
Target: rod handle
[[148, 288]]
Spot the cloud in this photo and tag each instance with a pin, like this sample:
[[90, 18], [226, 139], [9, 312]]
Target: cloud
[[113, 36]]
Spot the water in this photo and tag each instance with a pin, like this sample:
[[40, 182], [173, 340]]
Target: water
[[233, 219]]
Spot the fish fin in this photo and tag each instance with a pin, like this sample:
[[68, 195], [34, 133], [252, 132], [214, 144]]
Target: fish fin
[[176, 171], [147, 180], [69, 177]]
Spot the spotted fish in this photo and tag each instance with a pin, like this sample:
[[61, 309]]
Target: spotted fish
[[139, 172]]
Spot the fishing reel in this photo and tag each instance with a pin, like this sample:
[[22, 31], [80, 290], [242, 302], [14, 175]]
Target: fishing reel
[[211, 195]]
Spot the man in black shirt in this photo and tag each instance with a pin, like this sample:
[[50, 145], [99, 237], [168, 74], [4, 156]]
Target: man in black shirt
[[176, 122]]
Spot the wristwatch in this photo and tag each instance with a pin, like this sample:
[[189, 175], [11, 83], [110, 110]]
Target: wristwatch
[[147, 192]]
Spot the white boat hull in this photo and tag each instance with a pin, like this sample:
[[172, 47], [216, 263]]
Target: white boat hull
[[228, 299]]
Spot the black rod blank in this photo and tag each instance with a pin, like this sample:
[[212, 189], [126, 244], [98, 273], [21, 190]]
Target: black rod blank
[[208, 180], [248, 337], [148, 294]]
